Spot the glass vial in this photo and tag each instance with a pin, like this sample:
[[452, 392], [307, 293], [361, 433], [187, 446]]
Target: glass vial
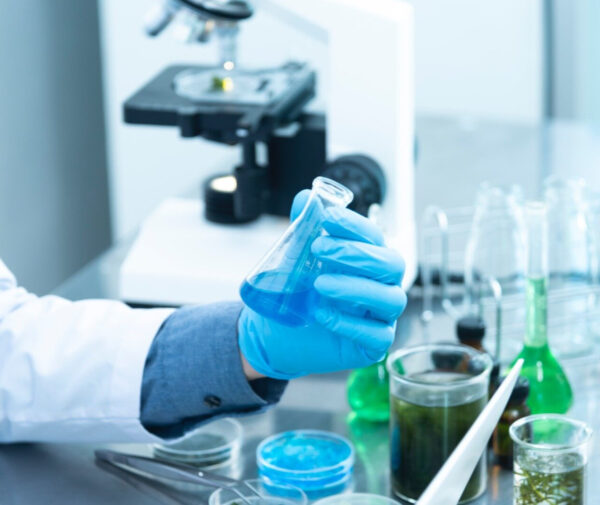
[[281, 286], [550, 391]]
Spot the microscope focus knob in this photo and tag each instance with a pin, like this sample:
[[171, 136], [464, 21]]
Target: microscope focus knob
[[363, 176]]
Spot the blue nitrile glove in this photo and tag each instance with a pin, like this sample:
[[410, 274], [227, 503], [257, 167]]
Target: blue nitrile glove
[[355, 325]]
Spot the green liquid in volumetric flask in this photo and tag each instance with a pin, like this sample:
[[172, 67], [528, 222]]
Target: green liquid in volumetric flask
[[550, 391], [369, 392]]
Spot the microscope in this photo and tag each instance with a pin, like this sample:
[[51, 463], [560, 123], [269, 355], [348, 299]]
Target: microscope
[[364, 140]]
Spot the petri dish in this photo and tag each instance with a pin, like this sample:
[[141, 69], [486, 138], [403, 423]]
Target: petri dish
[[357, 499], [254, 492], [210, 446], [318, 462]]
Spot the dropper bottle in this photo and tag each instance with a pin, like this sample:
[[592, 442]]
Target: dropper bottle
[[550, 391]]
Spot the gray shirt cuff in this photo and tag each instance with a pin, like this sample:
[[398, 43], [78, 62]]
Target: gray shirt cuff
[[193, 372]]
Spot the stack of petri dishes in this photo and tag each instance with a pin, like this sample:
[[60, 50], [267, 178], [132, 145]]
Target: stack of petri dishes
[[318, 462], [211, 446]]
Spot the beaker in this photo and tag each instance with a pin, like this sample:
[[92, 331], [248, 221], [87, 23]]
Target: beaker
[[550, 459], [436, 393], [571, 265], [281, 286]]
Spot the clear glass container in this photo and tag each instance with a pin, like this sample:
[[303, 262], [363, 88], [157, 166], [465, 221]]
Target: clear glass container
[[281, 286], [436, 392], [593, 212], [550, 391], [496, 244], [256, 492], [357, 499], [550, 459], [571, 265], [211, 446]]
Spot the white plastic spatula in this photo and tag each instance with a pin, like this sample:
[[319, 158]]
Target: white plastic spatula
[[449, 483]]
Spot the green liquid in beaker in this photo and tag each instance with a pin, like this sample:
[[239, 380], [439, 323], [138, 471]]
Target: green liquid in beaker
[[550, 391], [423, 436]]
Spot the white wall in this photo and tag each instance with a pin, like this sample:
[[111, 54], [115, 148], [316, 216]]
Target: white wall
[[54, 215], [473, 57], [479, 57]]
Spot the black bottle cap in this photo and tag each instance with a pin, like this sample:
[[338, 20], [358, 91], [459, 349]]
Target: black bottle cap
[[495, 374], [470, 328]]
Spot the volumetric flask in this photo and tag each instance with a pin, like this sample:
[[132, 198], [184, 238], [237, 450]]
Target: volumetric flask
[[281, 286], [436, 393], [571, 266], [550, 458]]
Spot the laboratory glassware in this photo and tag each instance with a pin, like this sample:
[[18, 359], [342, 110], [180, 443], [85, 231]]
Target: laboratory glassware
[[256, 492], [449, 483], [436, 393], [357, 499], [320, 463], [280, 287], [369, 392], [495, 248], [550, 391], [550, 459], [570, 265], [515, 409], [210, 446], [250, 492], [593, 211]]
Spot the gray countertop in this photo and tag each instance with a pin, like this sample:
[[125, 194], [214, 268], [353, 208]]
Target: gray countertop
[[453, 154]]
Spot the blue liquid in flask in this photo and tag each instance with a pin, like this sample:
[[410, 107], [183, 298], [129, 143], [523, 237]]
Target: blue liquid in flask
[[266, 294], [281, 287]]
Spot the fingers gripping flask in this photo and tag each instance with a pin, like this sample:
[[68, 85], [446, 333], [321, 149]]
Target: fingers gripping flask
[[281, 286]]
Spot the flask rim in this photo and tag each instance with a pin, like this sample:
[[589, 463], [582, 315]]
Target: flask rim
[[332, 191]]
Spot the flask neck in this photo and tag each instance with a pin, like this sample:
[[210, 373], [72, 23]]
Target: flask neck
[[536, 293], [536, 290]]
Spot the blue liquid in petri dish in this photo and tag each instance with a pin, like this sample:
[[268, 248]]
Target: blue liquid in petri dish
[[319, 463], [269, 295]]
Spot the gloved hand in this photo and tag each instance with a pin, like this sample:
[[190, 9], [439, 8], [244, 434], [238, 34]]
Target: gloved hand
[[355, 325]]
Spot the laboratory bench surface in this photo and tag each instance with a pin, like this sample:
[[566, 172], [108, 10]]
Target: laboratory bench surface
[[464, 153]]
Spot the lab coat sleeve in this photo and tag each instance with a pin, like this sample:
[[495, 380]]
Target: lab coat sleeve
[[194, 372], [71, 371]]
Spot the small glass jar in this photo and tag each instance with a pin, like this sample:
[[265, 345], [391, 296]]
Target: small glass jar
[[436, 392], [550, 458], [515, 409]]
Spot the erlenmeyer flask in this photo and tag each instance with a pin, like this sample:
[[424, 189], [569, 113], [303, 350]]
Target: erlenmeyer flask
[[281, 286]]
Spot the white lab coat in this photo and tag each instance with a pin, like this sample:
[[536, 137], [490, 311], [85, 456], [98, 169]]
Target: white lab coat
[[71, 371]]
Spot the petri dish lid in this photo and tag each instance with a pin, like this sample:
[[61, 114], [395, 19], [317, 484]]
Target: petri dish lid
[[210, 444], [305, 455], [357, 499]]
